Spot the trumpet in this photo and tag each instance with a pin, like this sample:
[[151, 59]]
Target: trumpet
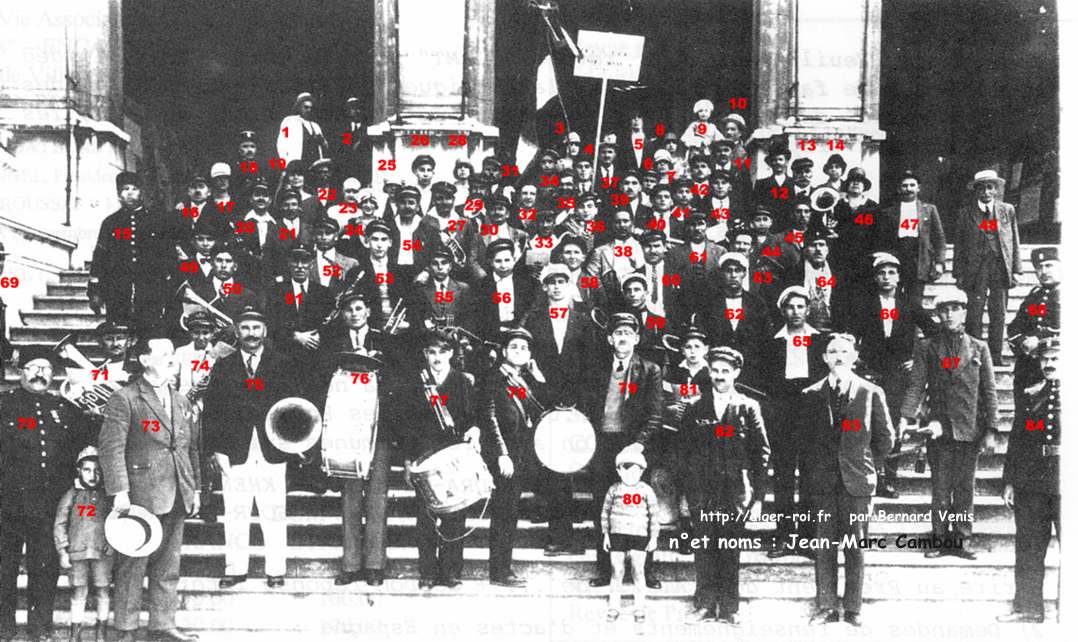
[[460, 257], [396, 318]]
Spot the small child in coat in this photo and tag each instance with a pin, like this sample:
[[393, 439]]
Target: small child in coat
[[630, 523], [79, 535]]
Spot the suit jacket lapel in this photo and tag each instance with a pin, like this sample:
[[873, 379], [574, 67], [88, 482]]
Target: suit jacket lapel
[[150, 397]]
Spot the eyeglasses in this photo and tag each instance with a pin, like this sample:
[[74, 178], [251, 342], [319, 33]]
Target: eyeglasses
[[38, 368]]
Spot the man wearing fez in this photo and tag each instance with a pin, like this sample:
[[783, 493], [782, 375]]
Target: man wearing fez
[[363, 501], [243, 386], [722, 453], [1031, 478], [624, 402], [954, 371], [912, 232], [790, 361], [886, 322], [848, 433], [133, 261], [149, 447], [1037, 318], [987, 257], [507, 423], [40, 436], [299, 137]]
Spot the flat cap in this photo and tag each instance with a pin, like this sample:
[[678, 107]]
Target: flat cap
[[727, 354], [109, 327], [792, 291], [736, 257], [220, 169], [499, 245], [423, 159], [515, 333], [951, 296], [443, 187], [884, 258], [620, 319], [378, 225], [703, 103], [555, 269]]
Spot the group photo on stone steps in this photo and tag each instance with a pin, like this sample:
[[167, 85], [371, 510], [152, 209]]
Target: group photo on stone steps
[[538, 325]]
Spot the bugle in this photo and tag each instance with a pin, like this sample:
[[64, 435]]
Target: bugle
[[82, 387]]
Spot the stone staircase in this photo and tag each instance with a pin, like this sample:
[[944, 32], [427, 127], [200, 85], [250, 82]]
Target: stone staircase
[[314, 537]]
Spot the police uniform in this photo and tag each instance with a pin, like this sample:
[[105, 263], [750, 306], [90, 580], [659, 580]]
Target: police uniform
[[1032, 468], [1038, 316], [36, 466]]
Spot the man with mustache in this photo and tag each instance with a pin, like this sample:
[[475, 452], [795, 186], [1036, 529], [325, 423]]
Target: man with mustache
[[40, 436]]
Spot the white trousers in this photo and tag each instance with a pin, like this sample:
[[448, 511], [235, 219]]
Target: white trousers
[[263, 484]]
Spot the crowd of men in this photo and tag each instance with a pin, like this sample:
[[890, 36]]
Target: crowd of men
[[653, 285]]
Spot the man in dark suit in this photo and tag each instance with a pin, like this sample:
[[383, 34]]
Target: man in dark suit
[[363, 501], [224, 290], [1031, 478], [486, 229], [413, 235], [664, 284], [297, 307], [243, 386], [624, 403], [886, 324], [849, 433], [737, 319], [149, 457], [562, 344], [378, 275], [696, 265], [500, 299], [775, 192], [254, 234], [438, 301], [329, 266], [911, 230], [133, 262], [636, 145], [426, 428], [790, 361], [721, 451], [736, 170], [814, 271], [510, 404], [41, 435], [353, 152], [954, 371], [987, 258]]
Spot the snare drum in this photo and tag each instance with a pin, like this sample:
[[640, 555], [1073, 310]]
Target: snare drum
[[564, 440], [451, 479]]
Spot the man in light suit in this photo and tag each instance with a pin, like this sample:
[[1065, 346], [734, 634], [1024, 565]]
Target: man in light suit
[[911, 231], [987, 258], [299, 137], [243, 386], [850, 432], [149, 457]]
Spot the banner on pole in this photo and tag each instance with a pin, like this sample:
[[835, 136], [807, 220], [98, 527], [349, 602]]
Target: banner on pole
[[615, 56]]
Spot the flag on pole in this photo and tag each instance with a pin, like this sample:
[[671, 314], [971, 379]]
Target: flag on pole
[[547, 103]]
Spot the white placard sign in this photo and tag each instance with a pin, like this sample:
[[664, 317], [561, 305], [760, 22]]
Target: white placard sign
[[615, 56]]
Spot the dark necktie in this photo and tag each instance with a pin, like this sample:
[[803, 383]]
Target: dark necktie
[[250, 365]]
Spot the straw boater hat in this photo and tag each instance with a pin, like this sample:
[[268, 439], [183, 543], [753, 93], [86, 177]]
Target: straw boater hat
[[136, 534], [986, 176]]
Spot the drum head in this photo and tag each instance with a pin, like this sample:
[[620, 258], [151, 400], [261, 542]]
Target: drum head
[[564, 440]]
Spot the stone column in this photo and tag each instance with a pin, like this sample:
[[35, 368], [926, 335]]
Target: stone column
[[433, 86], [817, 82]]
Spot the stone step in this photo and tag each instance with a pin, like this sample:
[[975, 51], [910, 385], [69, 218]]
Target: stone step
[[63, 319], [61, 303], [66, 289], [75, 277]]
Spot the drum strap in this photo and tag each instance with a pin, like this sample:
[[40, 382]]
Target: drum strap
[[520, 383], [433, 518]]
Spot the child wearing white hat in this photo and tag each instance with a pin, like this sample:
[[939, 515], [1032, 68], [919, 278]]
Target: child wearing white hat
[[79, 535], [630, 523], [701, 132]]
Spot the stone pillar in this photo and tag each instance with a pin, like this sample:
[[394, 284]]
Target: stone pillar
[[817, 82], [433, 86]]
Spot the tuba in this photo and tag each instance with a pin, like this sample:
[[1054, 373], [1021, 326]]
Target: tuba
[[82, 387], [293, 425]]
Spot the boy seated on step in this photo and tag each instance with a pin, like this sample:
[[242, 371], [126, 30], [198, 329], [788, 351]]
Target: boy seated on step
[[79, 535], [630, 523]]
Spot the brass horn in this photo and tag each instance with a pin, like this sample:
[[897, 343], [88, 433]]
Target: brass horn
[[187, 295], [671, 342], [293, 425], [823, 199], [600, 318], [66, 349], [81, 387]]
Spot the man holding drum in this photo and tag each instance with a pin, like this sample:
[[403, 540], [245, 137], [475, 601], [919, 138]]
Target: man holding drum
[[436, 410], [626, 407]]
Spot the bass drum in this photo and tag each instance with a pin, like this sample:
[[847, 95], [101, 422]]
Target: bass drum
[[451, 479], [350, 424], [564, 440]]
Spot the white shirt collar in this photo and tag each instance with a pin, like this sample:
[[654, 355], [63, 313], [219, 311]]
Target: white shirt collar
[[784, 333], [260, 218]]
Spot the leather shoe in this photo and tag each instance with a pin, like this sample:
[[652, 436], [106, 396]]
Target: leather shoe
[[934, 553], [964, 553], [853, 619], [700, 615], [510, 581], [375, 577], [596, 582], [425, 583], [652, 583], [229, 581], [347, 578], [450, 582], [274, 581], [824, 616], [172, 635], [729, 619], [1019, 617]]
